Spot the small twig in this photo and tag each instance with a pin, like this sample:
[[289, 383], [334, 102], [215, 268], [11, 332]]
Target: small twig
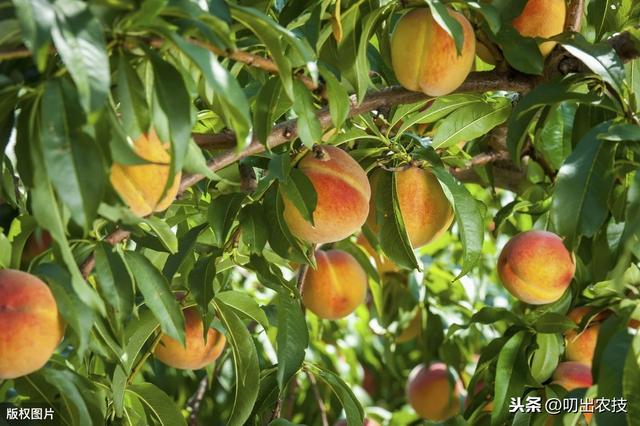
[[302, 274], [573, 21], [319, 401], [276, 410], [291, 398], [138, 366], [195, 401], [114, 238]]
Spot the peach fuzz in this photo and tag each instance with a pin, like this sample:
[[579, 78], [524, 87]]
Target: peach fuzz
[[432, 392], [343, 193], [197, 354], [542, 18], [337, 287], [383, 263], [535, 267], [142, 186], [425, 209], [581, 344], [31, 324], [424, 55]]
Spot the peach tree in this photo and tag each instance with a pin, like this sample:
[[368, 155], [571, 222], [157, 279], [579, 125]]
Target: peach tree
[[375, 212]]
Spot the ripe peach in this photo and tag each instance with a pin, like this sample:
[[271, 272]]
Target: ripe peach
[[432, 393], [336, 287], [424, 56], [197, 354], [142, 186], [535, 267], [542, 18], [572, 375], [382, 262], [581, 345], [425, 209], [31, 325], [343, 197], [36, 244]]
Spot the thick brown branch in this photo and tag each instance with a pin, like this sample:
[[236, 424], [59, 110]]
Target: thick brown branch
[[287, 131], [575, 10]]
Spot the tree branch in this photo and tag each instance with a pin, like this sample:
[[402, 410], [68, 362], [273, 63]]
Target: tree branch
[[195, 401], [318, 397]]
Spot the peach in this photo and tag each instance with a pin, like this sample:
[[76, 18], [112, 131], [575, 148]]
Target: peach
[[535, 267], [197, 353], [31, 324], [542, 18], [433, 393], [336, 287], [425, 209], [343, 194], [36, 244], [142, 186], [424, 55], [488, 405], [383, 263], [581, 345], [572, 375]]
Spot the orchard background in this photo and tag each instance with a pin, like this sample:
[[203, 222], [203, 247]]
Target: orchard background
[[248, 98]]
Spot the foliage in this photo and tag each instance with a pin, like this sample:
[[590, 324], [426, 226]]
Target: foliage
[[98, 74]]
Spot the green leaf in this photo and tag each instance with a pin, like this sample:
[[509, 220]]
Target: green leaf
[[569, 88], [158, 298], [247, 369], [172, 97], [469, 217], [631, 382], [74, 312], [546, 357], [48, 215], [62, 380], [79, 40], [599, 58], [338, 98], [72, 159], [300, 191], [554, 141], [470, 122], [254, 227], [441, 107], [201, 280], [309, 128], [5, 252], [244, 305], [292, 339], [226, 88], [521, 52], [441, 15], [133, 103], [393, 235], [511, 370], [163, 231], [186, 244], [300, 48], [36, 18], [611, 369], [222, 213], [350, 403], [115, 282], [579, 205], [280, 238], [161, 408], [266, 102]]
